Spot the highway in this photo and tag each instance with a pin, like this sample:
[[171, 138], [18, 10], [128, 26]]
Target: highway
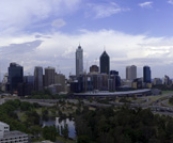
[[158, 105]]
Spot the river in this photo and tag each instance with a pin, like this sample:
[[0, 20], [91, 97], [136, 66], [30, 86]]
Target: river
[[56, 123]]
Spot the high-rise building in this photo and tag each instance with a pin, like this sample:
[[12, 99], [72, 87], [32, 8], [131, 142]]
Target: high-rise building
[[94, 68], [38, 78], [131, 72], [146, 74], [49, 76], [114, 80], [104, 63], [79, 61], [15, 77], [60, 79]]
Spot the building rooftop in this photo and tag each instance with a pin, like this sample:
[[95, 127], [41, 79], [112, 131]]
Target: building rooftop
[[107, 93], [3, 124]]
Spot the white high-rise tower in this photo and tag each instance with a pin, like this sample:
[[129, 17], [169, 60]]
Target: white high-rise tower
[[131, 72], [79, 61]]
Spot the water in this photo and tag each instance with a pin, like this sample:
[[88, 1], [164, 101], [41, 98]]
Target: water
[[56, 123]]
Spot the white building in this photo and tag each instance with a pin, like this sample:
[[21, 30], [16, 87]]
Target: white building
[[131, 72], [79, 61], [7, 136]]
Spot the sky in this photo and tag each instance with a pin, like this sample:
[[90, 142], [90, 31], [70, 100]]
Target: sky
[[48, 32]]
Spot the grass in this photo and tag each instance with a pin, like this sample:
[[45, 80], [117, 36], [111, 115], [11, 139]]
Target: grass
[[167, 92], [21, 116], [61, 139]]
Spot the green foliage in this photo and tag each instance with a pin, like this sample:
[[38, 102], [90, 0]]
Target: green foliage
[[45, 115], [104, 125], [171, 100], [50, 133], [33, 118]]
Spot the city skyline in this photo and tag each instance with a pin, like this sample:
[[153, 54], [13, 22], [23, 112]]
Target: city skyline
[[40, 32]]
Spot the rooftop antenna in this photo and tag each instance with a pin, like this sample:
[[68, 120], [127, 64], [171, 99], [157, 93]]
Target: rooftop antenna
[[104, 48], [57, 68], [95, 62]]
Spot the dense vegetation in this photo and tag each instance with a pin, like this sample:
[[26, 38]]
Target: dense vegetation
[[93, 125], [123, 126], [26, 117], [171, 100]]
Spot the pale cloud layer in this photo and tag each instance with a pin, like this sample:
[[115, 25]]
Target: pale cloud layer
[[147, 4], [58, 50], [170, 2], [105, 9], [58, 23], [31, 34], [20, 14]]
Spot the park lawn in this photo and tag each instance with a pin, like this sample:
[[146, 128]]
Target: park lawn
[[21, 116], [167, 92], [61, 139]]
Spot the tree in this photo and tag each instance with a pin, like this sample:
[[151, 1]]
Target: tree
[[66, 130], [50, 133]]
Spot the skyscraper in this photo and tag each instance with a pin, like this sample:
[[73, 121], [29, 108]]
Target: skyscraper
[[146, 74], [79, 61], [49, 76], [15, 77], [38, 78], [104, 63], [131, 72]]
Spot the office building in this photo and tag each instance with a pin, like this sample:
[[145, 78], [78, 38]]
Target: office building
[[38, 78], [131, 72], [104, 63], [4, 83], [94, 68], [114, 80], [7, 136], [60, 79], [15, 76], [157, 81], [79, 61], [167, 80], [114, 72], [146, 74], [49, 76]]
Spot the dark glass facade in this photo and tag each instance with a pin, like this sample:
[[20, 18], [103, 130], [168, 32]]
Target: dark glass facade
[[94, 68], [15, 77], [114, 72], [104, 63], [146, 74]]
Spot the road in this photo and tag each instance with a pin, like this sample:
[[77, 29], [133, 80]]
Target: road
[[157, 105]]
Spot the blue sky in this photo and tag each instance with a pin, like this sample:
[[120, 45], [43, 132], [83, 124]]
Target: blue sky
[[47, 33]]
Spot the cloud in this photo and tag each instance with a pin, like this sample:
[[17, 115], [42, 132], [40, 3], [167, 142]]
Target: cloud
[[105, 9], [170, 2], [58, 23], [23, 14], [147, 4], [59, 49]]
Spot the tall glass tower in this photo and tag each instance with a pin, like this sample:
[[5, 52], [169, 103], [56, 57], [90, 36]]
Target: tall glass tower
[[104, 63], [79, 61], [146, 74], [15, 76]]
